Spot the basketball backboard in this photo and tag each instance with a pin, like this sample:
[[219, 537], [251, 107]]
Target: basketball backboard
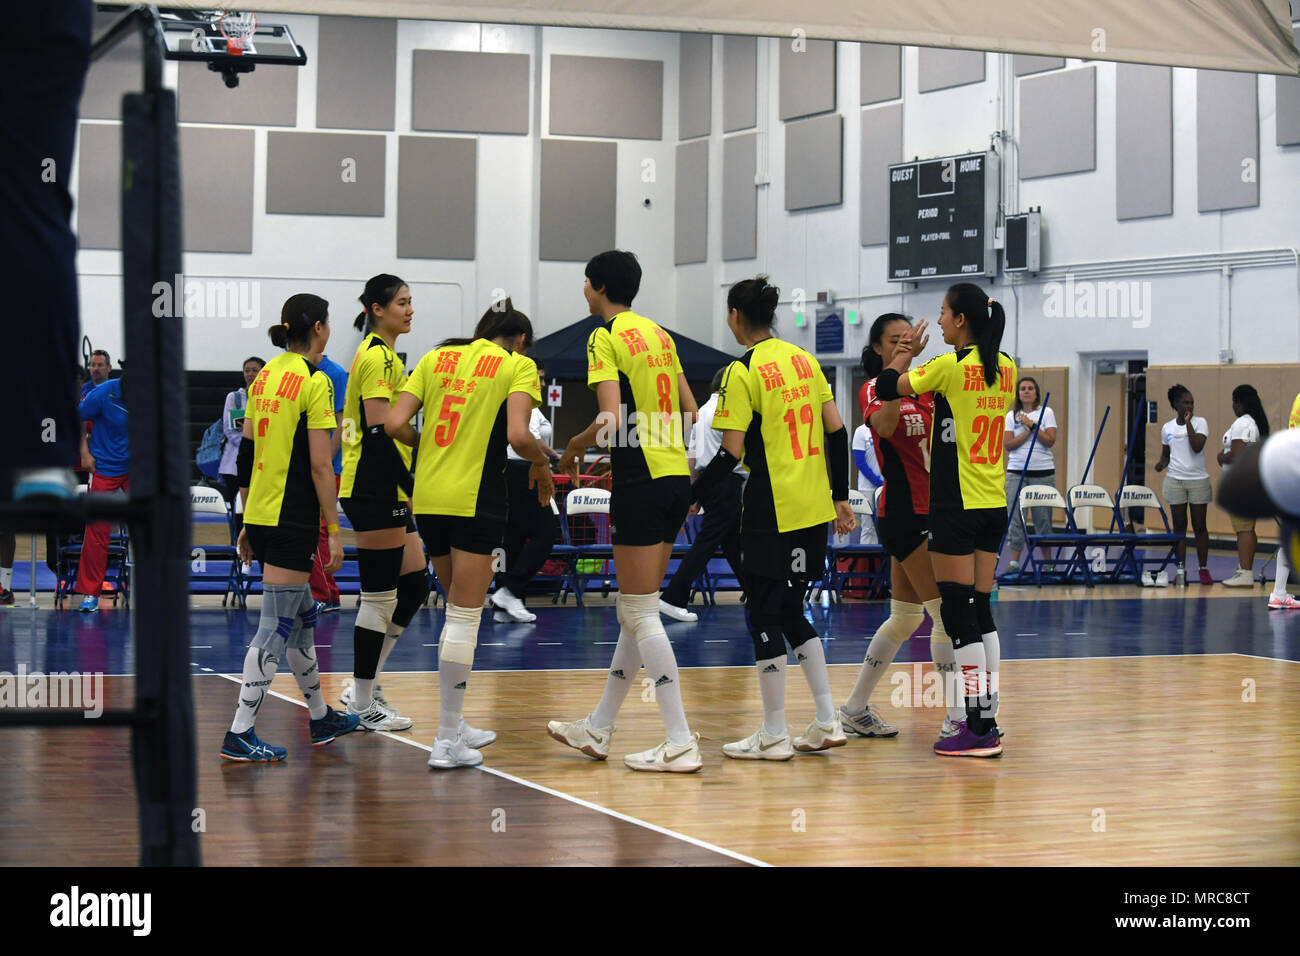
[[203, 40]]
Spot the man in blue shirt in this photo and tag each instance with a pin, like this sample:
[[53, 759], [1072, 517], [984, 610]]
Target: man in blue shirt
[[323, 588], [103, 406]]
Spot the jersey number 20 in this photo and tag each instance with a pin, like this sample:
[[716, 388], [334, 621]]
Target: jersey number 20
[[986, 428]]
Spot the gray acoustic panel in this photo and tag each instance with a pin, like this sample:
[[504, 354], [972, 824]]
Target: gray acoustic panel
[[695, 85], [807, 78], [1024, 64], [882, 144], [437, 193], [1058, 123], [356, 73], [739, 83], [943, 69], [266, 97], [880, 72], [691, 208], [217, 189], [1288, 107], [1227, 140], [325, 174], [579, 187], [739, 197], [609, 97], [814, 162], [99, 186], [455, 91], [1144, 141], [119, 72]]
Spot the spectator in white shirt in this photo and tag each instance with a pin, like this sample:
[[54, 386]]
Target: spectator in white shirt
[[864, 459], [1028, 415], [1182, 440], [1250, 427], [232, 426]]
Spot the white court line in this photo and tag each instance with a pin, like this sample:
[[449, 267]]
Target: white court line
[[200, 647], [550, 643], [1072, 634], [718, 642], [429, 645], [1260, 657], [702, 844], [1030, 634]]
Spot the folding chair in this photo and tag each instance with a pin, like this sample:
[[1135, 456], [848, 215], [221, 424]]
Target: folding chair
[[876, 579], [205, 500], [1141, 497], [1045, 496], [1090, 497], [117, 567], [592, 504]]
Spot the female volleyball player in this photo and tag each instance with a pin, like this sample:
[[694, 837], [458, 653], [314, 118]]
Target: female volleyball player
[[900, 430], [1182, 451], [973, 389], [477, 394], [1250, 427], [286, 478], [374, 490], [645, 407], [775, 408]]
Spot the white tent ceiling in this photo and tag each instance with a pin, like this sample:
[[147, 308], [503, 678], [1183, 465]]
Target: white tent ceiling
[[1252, 36]]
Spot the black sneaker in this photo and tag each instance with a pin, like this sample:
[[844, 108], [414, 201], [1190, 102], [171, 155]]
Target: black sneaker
[[333, 724]]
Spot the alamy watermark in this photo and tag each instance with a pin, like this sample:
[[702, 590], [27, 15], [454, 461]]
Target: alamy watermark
[[209, 299], [638, 429], [1098, 300], [71, 691]]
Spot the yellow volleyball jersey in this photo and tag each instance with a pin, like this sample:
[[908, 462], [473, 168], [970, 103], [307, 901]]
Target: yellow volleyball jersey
[[377, 372], [967, 467], [641, 357], [460, 470], [1294, 420], [775, 394], [289, 396]]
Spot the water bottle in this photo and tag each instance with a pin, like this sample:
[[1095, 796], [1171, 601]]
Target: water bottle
[[1182, 577], [993, 594]]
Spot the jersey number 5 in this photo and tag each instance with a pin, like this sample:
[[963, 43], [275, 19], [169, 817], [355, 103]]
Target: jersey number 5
[[805, 416], [444, 433], [986, 428]]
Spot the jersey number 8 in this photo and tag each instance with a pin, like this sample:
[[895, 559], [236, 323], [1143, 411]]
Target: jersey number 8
[[986, 428]]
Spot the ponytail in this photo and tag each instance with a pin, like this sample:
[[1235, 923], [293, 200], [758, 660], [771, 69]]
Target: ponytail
[[755, 300], [298, 317], [380, 290], [987, 322], [872, 363], [501, 320], [1249, 399]]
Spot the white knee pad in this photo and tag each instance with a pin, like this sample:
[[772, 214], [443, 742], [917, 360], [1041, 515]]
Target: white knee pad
[[376, 611], [639, 613], [460, 635], [904, 618]]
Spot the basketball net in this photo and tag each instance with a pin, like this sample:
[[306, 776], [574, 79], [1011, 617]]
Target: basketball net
[[237, 27]]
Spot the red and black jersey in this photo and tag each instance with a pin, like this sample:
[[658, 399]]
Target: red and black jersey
[[905, 456]]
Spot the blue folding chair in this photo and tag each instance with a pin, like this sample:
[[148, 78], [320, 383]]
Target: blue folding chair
[[1070, 541], [1164, 543], [1089, 498], [876, 578], [591, 504]]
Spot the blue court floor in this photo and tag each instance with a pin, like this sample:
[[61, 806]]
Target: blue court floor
[[569, 638]]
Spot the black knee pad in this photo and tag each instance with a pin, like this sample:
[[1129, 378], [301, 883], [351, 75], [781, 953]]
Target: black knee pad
[[768, 636], [765, 615], [379, 568], [412, 590], [957, 608], [798, 629], [984, 613]]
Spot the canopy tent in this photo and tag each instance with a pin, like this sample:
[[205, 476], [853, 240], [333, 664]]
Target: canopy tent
[[565, 352], [1252, 36]]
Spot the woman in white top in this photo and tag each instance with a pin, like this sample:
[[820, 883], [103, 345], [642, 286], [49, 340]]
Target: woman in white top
[[1027, 415], [864, 458], [531, 530], [1188, 483], [1250, 427], [232, 426]]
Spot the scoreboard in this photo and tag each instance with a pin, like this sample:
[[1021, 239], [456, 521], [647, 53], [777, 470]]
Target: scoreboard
[[942, 215]]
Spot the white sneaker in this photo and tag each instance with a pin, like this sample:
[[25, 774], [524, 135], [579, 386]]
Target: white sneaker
[[475, 738], [506, 601], [760, 745], [1148, 579], [377, 717], [668, 759], [869, 723], [677, 613], [821, 736], [449, 754], [1241, 578], [580, 735], [951, 728], [1162, 579], [1013, 567], [349, 696]]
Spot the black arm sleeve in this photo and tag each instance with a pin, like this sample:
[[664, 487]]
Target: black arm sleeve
[[244, 462], [375, 442], [887, 385], [837, 456], [723, 464]]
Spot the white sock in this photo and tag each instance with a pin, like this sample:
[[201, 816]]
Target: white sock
[[945, 662], [307, 674], [622, 672], [880, 654], [1283, 573], [771, 684], [641, 612], [6, 578], [260, 666], [363, 693], [992, 660], [972, 665], [812, 661], [390, 641], [453, 679]]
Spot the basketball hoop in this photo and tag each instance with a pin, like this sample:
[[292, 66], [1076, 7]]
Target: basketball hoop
[[237, 27]]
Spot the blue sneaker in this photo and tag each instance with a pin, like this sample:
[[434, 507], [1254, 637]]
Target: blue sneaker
[[249, 748], [333, 724], [89, 603]]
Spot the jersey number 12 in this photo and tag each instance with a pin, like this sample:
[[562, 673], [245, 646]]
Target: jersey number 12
[[805, 416]]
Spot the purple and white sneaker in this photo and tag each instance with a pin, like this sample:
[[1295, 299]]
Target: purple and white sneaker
[[967, 744]]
